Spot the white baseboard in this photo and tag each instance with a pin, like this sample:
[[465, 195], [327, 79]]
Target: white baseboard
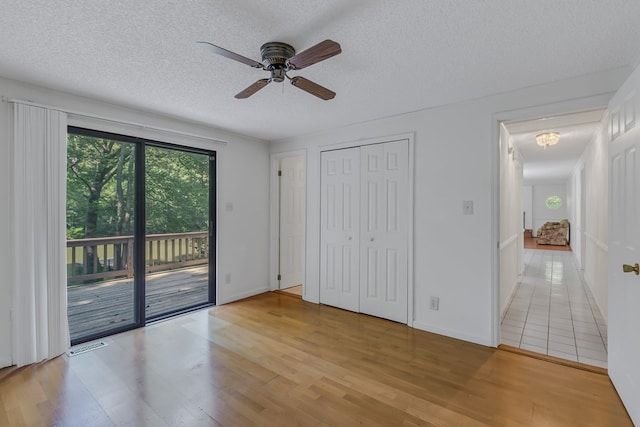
[[242, 295], [510, 300], [453, 334], [5, 362]]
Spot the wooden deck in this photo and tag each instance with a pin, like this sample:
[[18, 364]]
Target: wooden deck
[[109, 304]]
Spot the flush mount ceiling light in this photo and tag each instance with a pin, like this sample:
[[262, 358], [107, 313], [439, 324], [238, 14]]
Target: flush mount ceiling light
[[548, 138]]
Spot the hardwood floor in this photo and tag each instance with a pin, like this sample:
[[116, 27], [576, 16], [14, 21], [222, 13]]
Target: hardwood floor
[[276, 360], [532, 243], [293, 291]]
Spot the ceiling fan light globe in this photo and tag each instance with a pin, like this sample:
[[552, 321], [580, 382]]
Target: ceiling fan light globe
[[278, 74]]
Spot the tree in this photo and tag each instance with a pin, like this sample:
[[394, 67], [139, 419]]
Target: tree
[[101, 191], [177, 191], [92, 164]]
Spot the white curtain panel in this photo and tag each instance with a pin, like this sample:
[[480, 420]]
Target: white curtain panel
[[40, 329]]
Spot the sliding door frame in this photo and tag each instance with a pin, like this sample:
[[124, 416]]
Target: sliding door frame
[[212, 230], [139, 285]]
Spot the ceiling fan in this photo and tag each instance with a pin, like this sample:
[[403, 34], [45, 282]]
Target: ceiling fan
[[278, 58]]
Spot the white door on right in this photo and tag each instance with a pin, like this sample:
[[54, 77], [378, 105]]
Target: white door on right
[[384, 172], [624, 246]]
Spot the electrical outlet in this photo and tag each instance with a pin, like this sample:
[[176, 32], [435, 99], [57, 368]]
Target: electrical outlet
[[434, 303], [227, 278]]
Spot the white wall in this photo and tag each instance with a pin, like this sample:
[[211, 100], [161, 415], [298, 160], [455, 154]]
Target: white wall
[[573, 214], [243, 168], [5, 232], [577, 197], [511, 236], [541, 213], [456, 159], [527, 206], [592, 230], [243, 233]]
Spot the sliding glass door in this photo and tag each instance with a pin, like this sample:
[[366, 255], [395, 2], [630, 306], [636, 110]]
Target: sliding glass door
[[101, 181], [140, 231], [177, 197]]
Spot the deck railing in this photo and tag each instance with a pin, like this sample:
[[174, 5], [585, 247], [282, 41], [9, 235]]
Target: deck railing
[[102, 258]]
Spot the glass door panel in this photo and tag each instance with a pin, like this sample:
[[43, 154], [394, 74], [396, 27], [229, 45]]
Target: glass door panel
[[100, 234], [177, 197]]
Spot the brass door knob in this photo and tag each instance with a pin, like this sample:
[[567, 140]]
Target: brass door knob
[[629, 268]]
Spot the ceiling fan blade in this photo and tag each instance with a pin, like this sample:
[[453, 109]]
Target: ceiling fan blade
[[252, 89], [314, 54], [313, 88], [231, 55]]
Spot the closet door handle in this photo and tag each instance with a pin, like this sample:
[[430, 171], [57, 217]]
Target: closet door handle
[[372, 239]]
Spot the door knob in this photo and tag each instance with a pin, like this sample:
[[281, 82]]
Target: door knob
[[629, 268], [372, 239]]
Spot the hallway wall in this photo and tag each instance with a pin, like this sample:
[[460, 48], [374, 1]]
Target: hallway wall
[[541, 213], [595, 161], [527, 206], [511, 227]]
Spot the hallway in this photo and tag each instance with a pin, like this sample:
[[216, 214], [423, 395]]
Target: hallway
[[553, 313]]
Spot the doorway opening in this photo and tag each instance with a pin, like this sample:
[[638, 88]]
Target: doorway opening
[[549, 302], [140, 220]]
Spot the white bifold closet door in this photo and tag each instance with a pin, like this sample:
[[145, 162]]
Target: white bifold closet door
[[383, 230], [340, 221], [364, 230]]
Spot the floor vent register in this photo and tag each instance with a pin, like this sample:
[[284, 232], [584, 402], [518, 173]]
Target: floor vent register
[[85, 348]]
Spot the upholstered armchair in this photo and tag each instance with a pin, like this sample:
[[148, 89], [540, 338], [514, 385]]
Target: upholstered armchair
[[554, 233]]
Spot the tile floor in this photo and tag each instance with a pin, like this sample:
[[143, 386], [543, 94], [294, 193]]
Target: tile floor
[[553, 312]]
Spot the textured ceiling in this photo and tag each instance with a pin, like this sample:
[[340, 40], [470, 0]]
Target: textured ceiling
[[555, 163], [397, 56]]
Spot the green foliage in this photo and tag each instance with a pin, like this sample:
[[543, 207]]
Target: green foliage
[[92, 165], [101, 189], [177, 191]]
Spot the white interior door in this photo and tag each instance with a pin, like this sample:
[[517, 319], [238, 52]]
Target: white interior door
[[624, 248], [339, 241], [383, 230], [291, 211]]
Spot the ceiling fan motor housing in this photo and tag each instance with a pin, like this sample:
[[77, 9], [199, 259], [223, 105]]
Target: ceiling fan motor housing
[[274, 58]]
